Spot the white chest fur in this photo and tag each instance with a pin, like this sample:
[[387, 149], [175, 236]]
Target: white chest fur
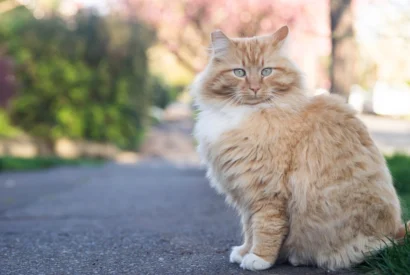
[[212, 124]]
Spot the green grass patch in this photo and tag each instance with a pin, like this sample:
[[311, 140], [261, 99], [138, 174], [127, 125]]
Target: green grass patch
[[399, 166], [394, 260], [22, 164]]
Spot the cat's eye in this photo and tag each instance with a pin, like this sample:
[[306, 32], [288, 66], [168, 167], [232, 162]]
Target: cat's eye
[[239, 72], [266, 71]]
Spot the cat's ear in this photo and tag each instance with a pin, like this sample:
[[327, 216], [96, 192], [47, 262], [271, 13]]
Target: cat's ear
[[280, 37], [220, 43]]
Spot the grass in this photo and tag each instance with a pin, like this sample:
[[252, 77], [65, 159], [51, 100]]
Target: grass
[[399, 166], [394, 260], [23, 164]]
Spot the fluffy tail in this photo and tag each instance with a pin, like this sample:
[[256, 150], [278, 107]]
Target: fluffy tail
[[402, 231]]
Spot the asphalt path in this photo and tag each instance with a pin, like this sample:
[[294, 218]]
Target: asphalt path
[[150, 218]]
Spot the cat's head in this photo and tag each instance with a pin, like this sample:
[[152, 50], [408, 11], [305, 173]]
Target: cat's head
[[247, 71]]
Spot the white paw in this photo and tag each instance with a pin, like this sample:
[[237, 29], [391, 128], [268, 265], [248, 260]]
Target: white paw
[[253, 262], [293, 261], [235, 256]]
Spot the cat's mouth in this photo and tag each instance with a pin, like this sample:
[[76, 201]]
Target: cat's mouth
[[249, 100]]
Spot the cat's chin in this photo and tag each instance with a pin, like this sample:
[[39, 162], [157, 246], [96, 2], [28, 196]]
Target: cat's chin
[[257, 105], [253, 101]]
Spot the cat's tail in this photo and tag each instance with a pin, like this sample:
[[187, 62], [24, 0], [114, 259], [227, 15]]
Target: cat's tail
[[404, 229]]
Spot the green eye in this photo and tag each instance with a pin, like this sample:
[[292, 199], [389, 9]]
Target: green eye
[[239, 72], [266, 71]]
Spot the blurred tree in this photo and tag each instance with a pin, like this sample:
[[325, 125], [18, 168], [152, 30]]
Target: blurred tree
[[7, 83], [162, 93], [7, 80], [8, 5], [39, 8], [378, 37], [184, 26], [86, 80], [342, 69]]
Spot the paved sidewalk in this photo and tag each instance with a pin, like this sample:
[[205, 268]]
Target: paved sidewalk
[[391, 135], [146, 219], [151, 218]]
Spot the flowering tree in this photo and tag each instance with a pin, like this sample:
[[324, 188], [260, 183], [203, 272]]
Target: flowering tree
[[184, 26]]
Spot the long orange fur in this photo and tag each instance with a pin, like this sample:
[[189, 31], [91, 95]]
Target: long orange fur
[[303, 172]]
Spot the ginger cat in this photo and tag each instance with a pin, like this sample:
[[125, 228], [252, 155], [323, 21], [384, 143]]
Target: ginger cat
[[303, 172]]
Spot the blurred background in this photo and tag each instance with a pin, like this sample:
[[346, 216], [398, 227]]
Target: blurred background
[[82, 80], [98, 90]]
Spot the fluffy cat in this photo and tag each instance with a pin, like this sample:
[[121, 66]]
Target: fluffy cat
[[309, 183]]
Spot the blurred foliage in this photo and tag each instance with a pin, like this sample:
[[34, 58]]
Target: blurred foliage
[[23, 164], [160, 60], [162, 93], [82, 79], [6, 128]]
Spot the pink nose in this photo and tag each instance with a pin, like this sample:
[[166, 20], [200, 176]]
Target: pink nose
[[255, 89]]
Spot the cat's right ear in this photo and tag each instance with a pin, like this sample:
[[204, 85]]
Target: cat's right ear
[[280, 38], [220, 43]]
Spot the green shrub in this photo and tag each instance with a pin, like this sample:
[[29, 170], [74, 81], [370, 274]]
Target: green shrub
[[83, 80], [23, 164], [162, 93], [6, 128]]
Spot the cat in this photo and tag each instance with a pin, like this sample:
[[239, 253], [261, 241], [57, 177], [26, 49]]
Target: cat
[[308, 181]]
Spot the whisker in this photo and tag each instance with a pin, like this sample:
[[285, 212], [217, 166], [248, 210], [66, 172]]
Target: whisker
[[231, 100]]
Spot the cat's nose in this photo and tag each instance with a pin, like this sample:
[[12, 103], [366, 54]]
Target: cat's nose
[[255, 89]]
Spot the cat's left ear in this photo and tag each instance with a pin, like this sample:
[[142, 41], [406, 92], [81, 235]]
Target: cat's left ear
[[220, 43], [280, 37]]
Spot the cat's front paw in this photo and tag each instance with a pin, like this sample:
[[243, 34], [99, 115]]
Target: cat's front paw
[[254, 262], [236, 255]]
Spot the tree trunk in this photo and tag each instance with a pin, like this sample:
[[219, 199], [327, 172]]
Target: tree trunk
[[7, 81], [343, 47]]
